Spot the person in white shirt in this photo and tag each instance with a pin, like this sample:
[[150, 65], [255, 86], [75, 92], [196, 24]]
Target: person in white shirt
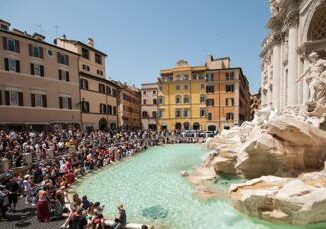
[[28, 189]]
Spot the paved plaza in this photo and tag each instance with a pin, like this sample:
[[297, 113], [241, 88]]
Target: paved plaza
[[25, 217]]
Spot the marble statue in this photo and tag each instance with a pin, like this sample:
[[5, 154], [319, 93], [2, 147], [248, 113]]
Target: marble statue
[[315, 76], [274, 6]]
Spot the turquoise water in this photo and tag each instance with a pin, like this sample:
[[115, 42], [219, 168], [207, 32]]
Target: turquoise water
[[152, 178]]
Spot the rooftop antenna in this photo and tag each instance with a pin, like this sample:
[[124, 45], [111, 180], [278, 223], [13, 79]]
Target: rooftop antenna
[[56, 30], [41, 31]]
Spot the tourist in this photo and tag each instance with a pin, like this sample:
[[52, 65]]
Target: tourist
[[13, 189], [85, 203], [28, 189], [4, 202], [78, 220], [121, 220], [42, 207]]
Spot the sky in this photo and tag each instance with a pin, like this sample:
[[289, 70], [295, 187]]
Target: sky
[[141, 37]]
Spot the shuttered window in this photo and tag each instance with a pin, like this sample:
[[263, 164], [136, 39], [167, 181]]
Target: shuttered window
[[12, 65], [14, 98]]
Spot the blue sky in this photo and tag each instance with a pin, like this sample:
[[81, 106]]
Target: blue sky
[[143, 36]]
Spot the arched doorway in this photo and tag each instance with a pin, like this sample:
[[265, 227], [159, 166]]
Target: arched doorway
[[178, 126], [317, 27], [211, 128], [186, 126], [196, 126], [102, 124]]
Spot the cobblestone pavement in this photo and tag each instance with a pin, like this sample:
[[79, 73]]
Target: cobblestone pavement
[[25, 217]]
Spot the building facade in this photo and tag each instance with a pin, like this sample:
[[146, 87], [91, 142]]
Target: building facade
[[255, 103], [297, 28], [129, 106], [149, 106], [209, 97], [97, 94], [33, 94]]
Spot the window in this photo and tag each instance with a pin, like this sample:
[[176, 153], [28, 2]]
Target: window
[[229, 101], [14, 98], [64, 75], [98, 59], [12, 45], [65, 102], [210, 102], [154, 92], [160, 113], [160, 100], [99, 72], [154, 101], [63, 59], [177, 99], [144, 101], [210, 77], [101, 88], [186, 113], [154, 114], [108, 90], [86, 67], [229, 76], [114, 111], [37, 70], [35, 51], [102, 108], [85, 53], [186, 99], [185, 86], [229, 116], [177, 87], [85, 106], [209, 116], [193, 76], [202, 98], [38, 100], [114, 92], [178, 77], [145, 114], [202, 112], [186, 77], [109, 109], [144, 92], [12, 65], [229, 88], [178, 113], [84, 84], [202, 86], [210, 89]]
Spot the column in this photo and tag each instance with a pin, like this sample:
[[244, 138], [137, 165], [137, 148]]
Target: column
[[292, 23], [276, 75]]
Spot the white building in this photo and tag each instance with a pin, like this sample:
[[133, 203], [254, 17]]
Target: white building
[[298, 27]]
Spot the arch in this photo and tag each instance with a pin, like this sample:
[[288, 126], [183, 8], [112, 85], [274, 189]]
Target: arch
[[196, 126], [186, 125], [308, 19], [102, 124], [317, 25], [178, 126], [211, 128]]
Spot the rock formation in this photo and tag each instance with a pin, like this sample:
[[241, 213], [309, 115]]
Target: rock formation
[[283, 153]]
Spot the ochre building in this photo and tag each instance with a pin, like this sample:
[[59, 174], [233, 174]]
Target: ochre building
[[33, 95], [214, 96]]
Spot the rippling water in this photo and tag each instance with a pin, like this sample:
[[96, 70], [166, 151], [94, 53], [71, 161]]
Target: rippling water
[[152, 178]]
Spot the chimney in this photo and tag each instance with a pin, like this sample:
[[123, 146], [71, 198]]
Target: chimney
[[90, 42]]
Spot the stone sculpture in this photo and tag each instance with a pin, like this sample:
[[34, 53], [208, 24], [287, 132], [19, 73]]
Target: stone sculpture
[[315, 76]]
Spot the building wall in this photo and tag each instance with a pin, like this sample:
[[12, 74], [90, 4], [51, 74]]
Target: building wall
[[149, 94], [129, 109], [49, 85], [88, 70], [296, 30], [174, 82]]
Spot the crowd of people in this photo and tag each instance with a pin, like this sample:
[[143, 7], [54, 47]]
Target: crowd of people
[[52, 161]]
